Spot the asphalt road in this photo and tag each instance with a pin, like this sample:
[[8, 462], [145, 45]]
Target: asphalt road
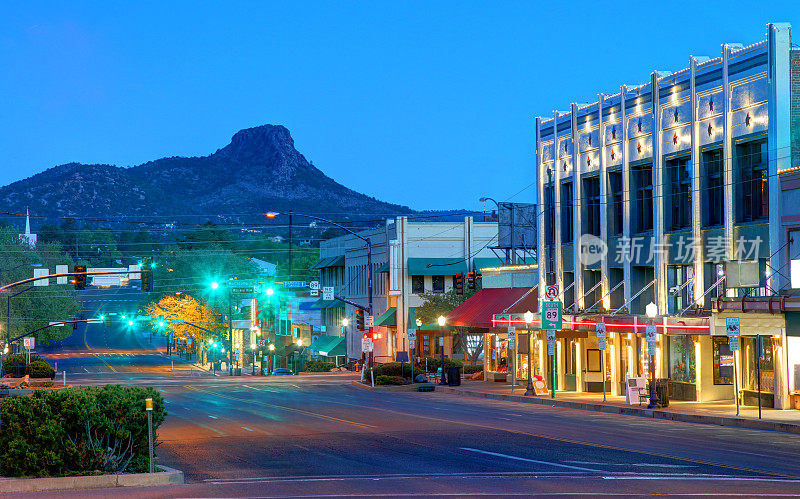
[[317, 435]]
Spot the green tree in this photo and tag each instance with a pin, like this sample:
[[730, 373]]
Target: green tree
[[436, 304]]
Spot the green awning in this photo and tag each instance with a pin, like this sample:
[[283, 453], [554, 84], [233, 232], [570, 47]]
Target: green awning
[[334, 348], [436, 266], [333, 261], [388, 318], [383, 268], [493, 261], [322, 304]]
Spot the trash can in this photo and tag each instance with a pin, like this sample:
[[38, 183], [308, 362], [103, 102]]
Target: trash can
[[18, 368], [453, 376], [662, 392]]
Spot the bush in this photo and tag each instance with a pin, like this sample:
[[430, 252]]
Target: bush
[[40, 369], [77, 431], [319, 366], [18, 358], [390, 380], [434, 362], [473, 369], [392, 369]]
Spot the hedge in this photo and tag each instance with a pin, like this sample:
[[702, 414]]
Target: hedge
[[77, 431], [319, 366], [473, 369], [18, 358], [40, 369], [391, 380]]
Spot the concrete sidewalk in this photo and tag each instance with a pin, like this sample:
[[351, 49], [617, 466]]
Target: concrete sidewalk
[[718, 413]]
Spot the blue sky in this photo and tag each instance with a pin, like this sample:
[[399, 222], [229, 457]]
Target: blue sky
[[428, 104]]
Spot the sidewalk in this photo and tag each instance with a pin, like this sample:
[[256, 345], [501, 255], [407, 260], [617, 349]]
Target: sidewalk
[[718, 413]]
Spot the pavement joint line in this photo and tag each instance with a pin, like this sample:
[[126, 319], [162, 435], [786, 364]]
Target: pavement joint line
[[567, 440], [291, 409]]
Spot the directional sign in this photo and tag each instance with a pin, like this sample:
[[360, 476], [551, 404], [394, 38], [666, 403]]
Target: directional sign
[[600, 330], [327, 293], [551, 342], [313, 292], [733, 332], [551, 315], [262, 343], [551, 293], [366, 345], [294, 284], [29, 342], [242, 290], [313, 285], [650, 333]]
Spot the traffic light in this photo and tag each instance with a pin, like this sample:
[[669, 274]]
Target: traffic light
[[79, 279], [459, 283], [360, 319], [471, 279], [74, 323], [160, 322]]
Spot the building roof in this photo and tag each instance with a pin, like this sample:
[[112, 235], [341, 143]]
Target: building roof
[[477, 311]]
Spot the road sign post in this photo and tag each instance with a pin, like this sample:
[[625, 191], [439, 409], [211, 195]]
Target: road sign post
[[650, 334], [733, 331], [512, 347], [551, 351], [600, 331]]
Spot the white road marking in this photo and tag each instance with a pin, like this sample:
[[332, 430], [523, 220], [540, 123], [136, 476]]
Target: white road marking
[[246, 428], [652, 465], [516, 458], [212, 416]]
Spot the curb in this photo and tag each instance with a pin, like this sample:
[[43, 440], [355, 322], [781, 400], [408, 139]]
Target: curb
[[396, 388], [634, 411], [168, 476]]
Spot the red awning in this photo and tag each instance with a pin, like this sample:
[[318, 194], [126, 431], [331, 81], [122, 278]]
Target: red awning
[[477, 311]]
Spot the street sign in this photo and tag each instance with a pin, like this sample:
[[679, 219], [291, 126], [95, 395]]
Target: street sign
[[600, 330], [294, 284], [733, 332], [512, 337], [650, 333], [242, 290], [551, 315], [367, 345], [62, 269], [327, 293], [313, 292], [551, 293], [262, 343], [412, 338], [369, 320], [313, 285], [551, 342], [29, 342]]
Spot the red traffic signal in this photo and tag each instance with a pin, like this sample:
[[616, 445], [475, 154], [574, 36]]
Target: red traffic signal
[[360, 319], [80, 277], [459, 283]]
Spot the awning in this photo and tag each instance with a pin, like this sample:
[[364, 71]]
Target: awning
[[436, 266], [477, 311], [334, 261], [383, 268], [323, 304], [328, 346], [493, 261], [388, 318]]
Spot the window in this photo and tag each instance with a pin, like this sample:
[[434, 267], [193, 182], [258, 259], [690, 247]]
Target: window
[[643, 200], [549, 233], [679, 201], [593, 360], [615, 211], [723, 361], [714, 202], [438, 283], [591, 187], [417, 284], [681, 359], [752, 197], [566, 212]]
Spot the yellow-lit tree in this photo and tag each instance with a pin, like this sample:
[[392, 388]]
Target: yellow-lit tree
[[186, 307]]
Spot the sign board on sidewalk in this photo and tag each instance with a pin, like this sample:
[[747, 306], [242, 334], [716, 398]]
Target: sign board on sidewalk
[[551, 315], [600, 330], [650, 334], [551, 342], [327, 293], [29, 342], [733, 332], [262, 343], [367, 345]]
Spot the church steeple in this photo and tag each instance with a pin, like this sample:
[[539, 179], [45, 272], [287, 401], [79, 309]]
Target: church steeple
[[27, 222]]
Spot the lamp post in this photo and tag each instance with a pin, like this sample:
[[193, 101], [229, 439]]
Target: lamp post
[[297, 352], [441, 320], [652, 311], [253, 355], [345, 323], [271, 360], [528, 316]]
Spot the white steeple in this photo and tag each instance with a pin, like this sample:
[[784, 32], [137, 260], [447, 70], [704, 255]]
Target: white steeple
[[28, 238]]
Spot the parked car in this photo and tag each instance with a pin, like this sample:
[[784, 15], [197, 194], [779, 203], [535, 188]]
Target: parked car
[[282, 371]]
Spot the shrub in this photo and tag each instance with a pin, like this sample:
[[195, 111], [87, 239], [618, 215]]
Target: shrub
[[40, 369], [473, 369], [77, 431], [390, 380], [392, 369], [18, 358], [434, 362], [319, 366]]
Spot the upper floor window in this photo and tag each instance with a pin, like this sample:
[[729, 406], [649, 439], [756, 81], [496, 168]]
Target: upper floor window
[[714, 199], [643, 197], [679, 201], [566, 212], [549, 216], [417, 284], [752, 194], [591, 187], [438, 283], [615, 209]]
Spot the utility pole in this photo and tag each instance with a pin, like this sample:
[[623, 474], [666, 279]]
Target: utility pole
[[291, 268]]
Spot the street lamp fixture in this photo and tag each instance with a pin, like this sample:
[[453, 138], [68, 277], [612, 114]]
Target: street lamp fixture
[[214, 285], [300, 342], [271, 347], [270, 291], [130, 323], [651, 310], [345, 322], [528, 316], [442, 320]]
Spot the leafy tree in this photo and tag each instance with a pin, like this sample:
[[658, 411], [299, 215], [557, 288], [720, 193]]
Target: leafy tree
[[436, 304], [189, 309], [207, 236]]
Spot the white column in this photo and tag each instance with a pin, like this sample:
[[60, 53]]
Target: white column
[[613, 344], [627, 274], [727, 151], [541, 177], [577, 202], [660, 262], [697, 192], [579, 365], [601, 132]]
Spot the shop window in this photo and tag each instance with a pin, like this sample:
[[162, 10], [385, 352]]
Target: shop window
[[566, 212], [593, 364], [679, 201], [438, 283], [723, 361], [417, 284], [681, 359], [752, 188], [749, 359]]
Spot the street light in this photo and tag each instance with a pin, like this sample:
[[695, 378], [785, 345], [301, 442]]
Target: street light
[[528, 316], [270, 291], [652, 311], [215, 285], [441, 320], [253, 355], [345, 323]]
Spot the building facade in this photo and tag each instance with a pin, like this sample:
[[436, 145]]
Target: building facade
[[682, 192]]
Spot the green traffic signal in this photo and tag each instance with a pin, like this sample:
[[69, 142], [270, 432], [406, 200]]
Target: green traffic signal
[[214, 285]]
